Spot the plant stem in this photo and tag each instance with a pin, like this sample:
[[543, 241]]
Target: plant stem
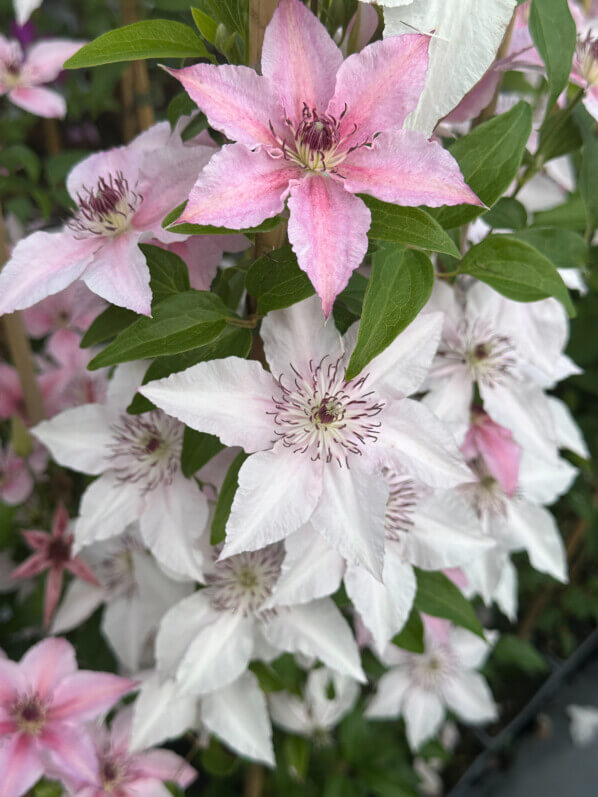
[[254, 780], [20, 349]]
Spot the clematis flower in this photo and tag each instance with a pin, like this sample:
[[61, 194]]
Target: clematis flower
[[44, 702], [237, 714], [74, 308], [203, 254], [420, 687], [207, 640], [318, 130], [22, 75], [53, 552], [70, 383], [318, 712], [583, 724], [511, 486], [121, 773], [138, 457], [16, 482], [511, 350], [121, 195], [317, 441], [136, 594]]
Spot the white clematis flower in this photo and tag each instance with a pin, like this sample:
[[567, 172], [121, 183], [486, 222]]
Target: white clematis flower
[[135, 591], [317, 441], [207, 640], [584, 724], [319, 711], [137, 458], [420, 687]]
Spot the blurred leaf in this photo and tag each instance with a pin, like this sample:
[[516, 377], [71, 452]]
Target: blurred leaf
[[7, 530], [296, 755], [180, 105], [109, 323], [269, 679], [398, 288], [18, 157], [225, 500], [519, 654], [411, 636], [565, 248], [571, 214], [47, 788], [155, 38], [205, 24], [508, 214], [438, 596], [198, 448], [276, 280], [554, 33], [217, 761]]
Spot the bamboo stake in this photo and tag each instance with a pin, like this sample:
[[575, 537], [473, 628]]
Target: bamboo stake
[[20, 349], [52, 136], [136, 84]]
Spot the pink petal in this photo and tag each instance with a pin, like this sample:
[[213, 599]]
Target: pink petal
[[300, 59], [203, 254], [120, 274], [38, 540], [328, 232], [85, 175], [239, 188], [60, 521], [31, 567], [236, 100], [46, 664], [41, 102], [86, 694], [52, 593], [164, 765], [11, 393], [474, 102], [45, 60], [404, 168], [20, 766], [16, 482], [380, 86], [496, 445], [82, 570], [42, 264], [71, 751], [12, 681]]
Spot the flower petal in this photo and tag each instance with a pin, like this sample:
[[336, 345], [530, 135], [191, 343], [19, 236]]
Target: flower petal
[[72, 752], [20, 765], [236, 100], [469, 697], [328, 232], [239, 188], [238, 715], [85, 695], [107, 507], [161, 712], [42, 264], [32, 566], [47, 664], [380, 86], [231, 398], [45, 59], [423, 713], [534, 529], [39, 101], [165, 765], [403, 167], [79, 602], [391, 690], [300, 59], [52, 593]]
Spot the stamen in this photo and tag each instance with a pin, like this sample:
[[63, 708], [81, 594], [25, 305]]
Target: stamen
[[107, 210], [243, 582]]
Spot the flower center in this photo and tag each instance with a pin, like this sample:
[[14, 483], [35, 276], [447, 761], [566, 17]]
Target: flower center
[[112, 774], [402, 498], [324, 416], [243, 582], [10, 69], [29, 713], [107, 210], [147, 449], [486, 495], [489, 355], [586, 55], [432, 669], [59, 550]]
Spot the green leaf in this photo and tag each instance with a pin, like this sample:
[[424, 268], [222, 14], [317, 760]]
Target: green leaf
[[225, 500], [179, 323], [232, 14], [174, 788], [588, 177], [180, 105], [218, 761], [269, 679], [559, 135], [565, 248], [232, 342], [516, 269], [399, 286], [276, 280], [296, 755], [408, 226], [208, 229], [489, 157], [108, 324], [519, 654], [47, 788], [198, 448], [17, 157], [169, 274], [205, 24], [507, 214], [155, 38], [554, 33], [411, 636], [439, 597]]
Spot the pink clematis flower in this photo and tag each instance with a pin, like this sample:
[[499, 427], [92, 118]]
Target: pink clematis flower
[[23, 74], [120, 773], [74, 308], [16, 482], [122, 195], [203, 254], [44, 702], [53, 552], [496, 445], [72, 383], [318, 130]]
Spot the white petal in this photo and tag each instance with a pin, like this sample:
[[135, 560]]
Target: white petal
[[311, 569], [534, 529], [127, 629], [543, 479], [290, 712], [278, 491], [584, 724], [485, 572], [568, 432], [230, 398], [316, 629], [124, 383], [161, 712], [450, 397], [506, 593], [107, 507], [239, 716], [469, 649], [388, 700], [402, 367], [297, 336], [79, 602], [422, 444], [470, 698], [351, 513], [423, 713], [467, 37], [174, 517], [325, 710], [79, 438]]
